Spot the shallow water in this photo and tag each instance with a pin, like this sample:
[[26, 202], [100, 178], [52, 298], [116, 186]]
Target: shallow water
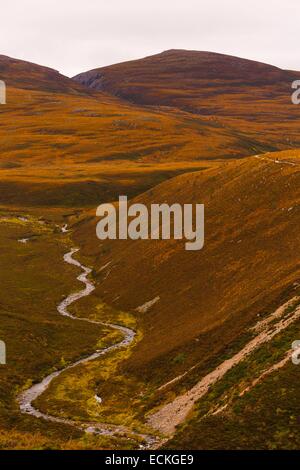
[[27, 397]]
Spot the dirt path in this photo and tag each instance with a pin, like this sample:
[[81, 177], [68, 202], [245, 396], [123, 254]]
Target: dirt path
[[277, 161], [171, 415], [278, 365], [174, 413]]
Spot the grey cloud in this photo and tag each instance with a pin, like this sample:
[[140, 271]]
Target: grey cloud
[[73, 36]]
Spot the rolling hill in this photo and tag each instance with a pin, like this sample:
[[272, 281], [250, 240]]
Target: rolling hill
[[66, 145], [98, 143], [179, 127], [251, 212], [238, 94], [195, 81], [206, 301], [28, 76]]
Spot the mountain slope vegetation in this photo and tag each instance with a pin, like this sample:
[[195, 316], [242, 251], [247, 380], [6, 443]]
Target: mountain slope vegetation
[[179, 127], [207, 300], [252, 211], [249, 98]]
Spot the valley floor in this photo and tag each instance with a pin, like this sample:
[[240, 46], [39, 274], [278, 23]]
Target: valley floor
[[40, 342]]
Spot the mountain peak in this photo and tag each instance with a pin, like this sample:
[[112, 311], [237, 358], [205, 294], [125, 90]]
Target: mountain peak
[[188, 79], [27, 75]]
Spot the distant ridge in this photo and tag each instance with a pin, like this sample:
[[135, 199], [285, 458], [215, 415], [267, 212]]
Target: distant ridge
[[185, 78], [27, 75]]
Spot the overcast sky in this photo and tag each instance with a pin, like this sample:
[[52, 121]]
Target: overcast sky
[[73, 36]]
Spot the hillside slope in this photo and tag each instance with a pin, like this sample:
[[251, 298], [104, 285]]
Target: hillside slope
[[29, 76], [206, 303], [206, 298], [192, 80], [91, 144], [242, 95]]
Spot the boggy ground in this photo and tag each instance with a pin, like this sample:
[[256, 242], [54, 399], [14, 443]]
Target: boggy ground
[[34, 279], [133, 383]]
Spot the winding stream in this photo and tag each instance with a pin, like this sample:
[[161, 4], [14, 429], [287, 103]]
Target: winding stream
[[171, 414], [27, 398]]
